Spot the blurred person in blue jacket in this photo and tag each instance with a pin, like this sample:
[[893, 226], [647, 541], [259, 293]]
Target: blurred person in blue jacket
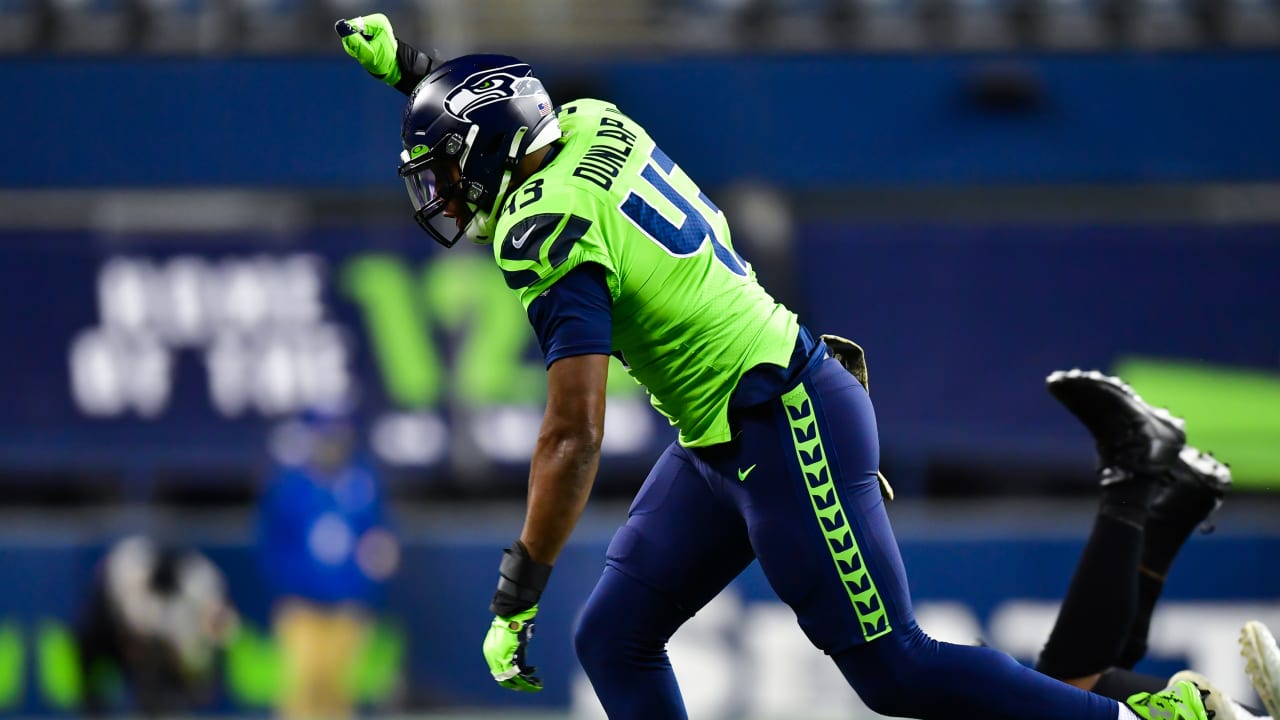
[[325, 551]]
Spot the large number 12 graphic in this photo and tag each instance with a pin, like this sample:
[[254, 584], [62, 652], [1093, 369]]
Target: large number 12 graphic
[[686, 239]]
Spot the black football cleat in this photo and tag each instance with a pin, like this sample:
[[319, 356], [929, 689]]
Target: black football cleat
[[1196, 484], [1132, 437]]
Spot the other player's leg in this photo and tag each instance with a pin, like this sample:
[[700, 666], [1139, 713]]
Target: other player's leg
[[1194, 488], [1101, 624], [678, 549], [1136, 444]]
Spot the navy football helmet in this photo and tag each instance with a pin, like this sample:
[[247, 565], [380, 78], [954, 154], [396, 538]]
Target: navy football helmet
[[465, 129]]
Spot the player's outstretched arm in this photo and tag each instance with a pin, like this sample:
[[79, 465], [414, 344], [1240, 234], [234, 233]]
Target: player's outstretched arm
[[560, 479], [371, 41]]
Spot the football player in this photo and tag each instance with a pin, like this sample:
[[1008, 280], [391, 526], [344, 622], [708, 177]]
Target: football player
[[613, 249]]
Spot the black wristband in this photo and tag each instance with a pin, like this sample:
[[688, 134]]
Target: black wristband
[[414, 66], [521, 580]]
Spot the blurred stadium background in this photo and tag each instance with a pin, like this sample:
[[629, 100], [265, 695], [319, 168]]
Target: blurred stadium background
[[202, 236]]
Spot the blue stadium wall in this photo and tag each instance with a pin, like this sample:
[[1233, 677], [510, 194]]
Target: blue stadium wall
[[804, 122]]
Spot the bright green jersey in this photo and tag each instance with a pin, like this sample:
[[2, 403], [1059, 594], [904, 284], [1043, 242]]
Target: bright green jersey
[[689, 317]]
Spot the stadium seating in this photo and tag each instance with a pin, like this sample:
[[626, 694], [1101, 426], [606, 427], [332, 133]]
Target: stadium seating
[[184, 26], [1252, 22], [571, 26], [890, 24], [277, 26], [92, 26], [1073, 24], [22, 26], [981, 23], [1165, 23]]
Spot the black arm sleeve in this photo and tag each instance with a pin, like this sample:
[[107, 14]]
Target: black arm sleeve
[[414, 65]]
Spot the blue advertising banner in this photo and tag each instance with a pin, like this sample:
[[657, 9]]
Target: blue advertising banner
[[147, 352], [157, 352]]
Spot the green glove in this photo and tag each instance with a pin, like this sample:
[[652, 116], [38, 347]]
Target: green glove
[[370, 40], [504, 649]]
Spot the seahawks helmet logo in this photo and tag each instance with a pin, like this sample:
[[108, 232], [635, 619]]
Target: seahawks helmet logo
[[483, 89]]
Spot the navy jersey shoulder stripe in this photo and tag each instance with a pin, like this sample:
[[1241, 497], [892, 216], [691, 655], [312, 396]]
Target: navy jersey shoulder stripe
[[572, 232], [525, 239]]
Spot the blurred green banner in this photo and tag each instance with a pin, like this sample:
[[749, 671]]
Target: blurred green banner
[[1231, 412]]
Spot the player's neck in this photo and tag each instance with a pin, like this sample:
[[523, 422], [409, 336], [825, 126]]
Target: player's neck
[[529, 165]]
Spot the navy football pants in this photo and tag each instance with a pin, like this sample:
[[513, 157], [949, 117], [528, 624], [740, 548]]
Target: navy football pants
[[797, 490]]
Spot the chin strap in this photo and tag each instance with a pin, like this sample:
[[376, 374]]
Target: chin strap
[[484, 224], [488, 221]]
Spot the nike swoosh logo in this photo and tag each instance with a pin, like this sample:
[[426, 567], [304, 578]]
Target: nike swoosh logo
[[517, 244], [742, 474]]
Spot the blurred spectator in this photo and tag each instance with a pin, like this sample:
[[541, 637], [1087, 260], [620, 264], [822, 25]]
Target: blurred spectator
[[94, 26], [283, 27], [23, 25], [325, 553], [183, 26], [279, 26], [160, 616]]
